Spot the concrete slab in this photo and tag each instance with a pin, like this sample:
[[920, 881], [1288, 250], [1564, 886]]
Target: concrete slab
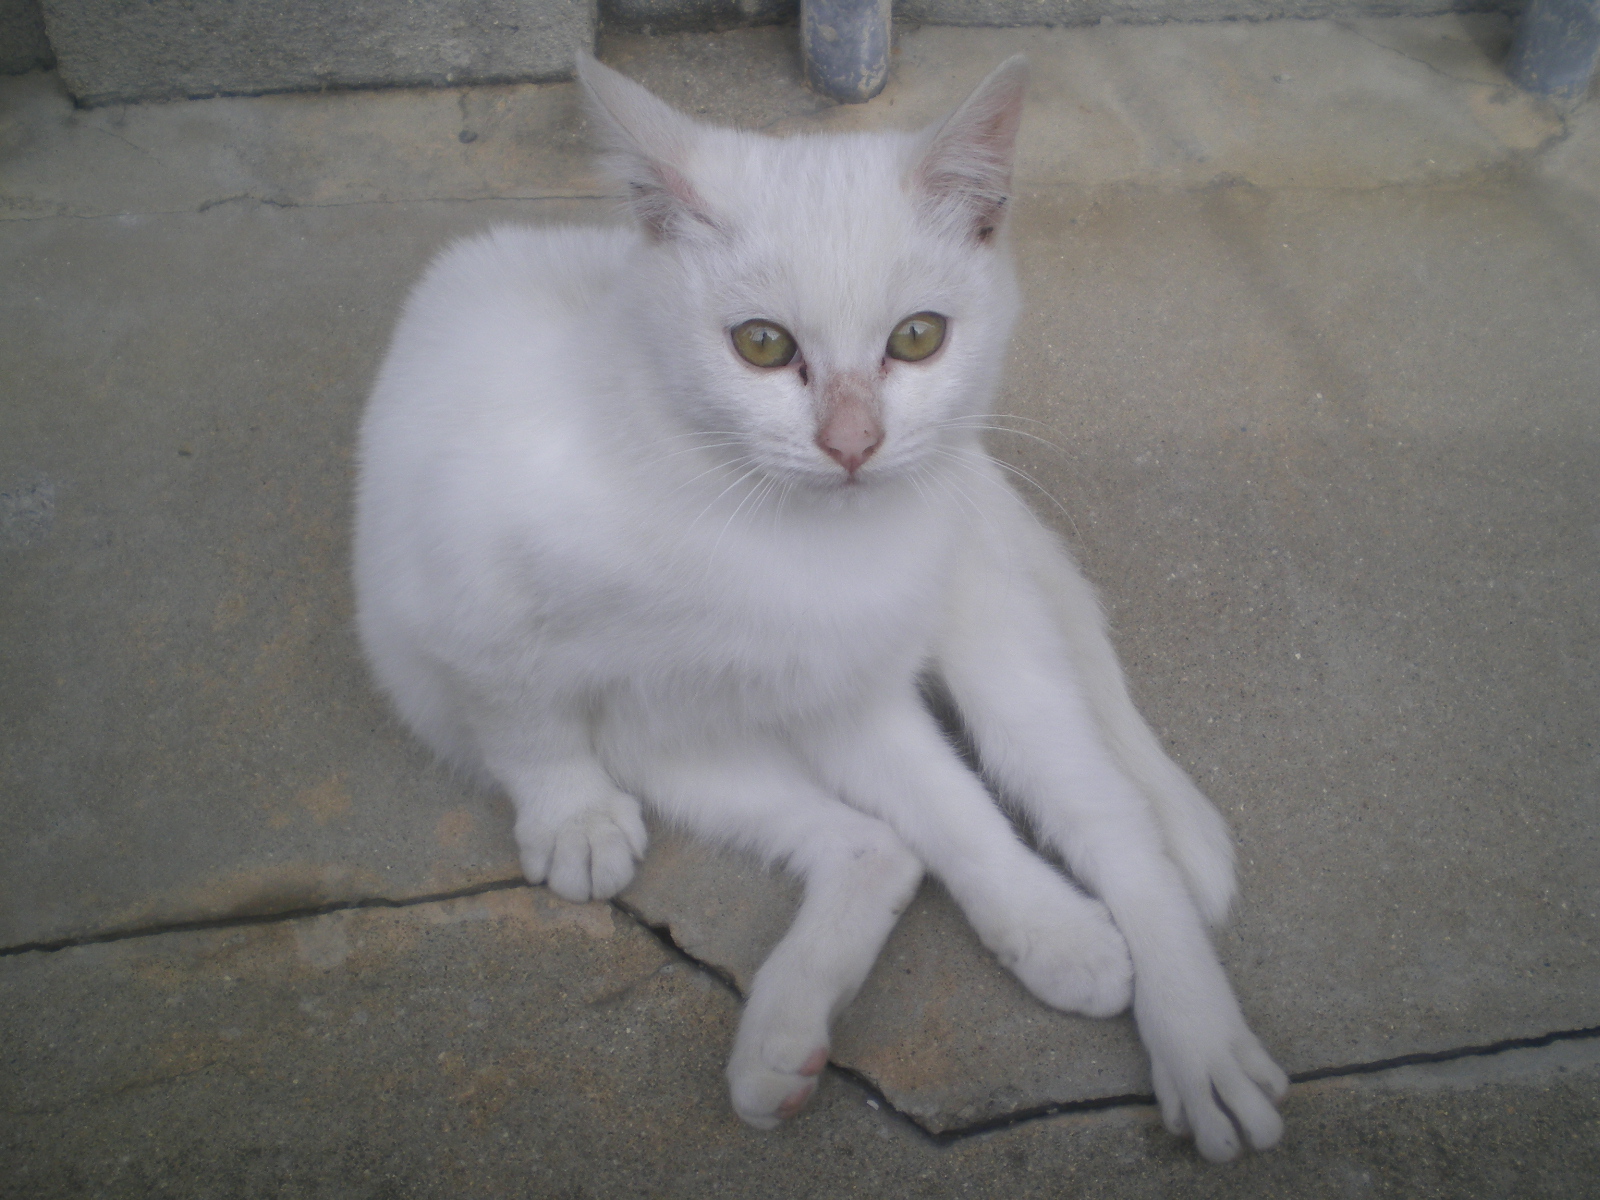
[[509, 1044], [189, 728], [1362, 464], [1317, 368], [1278, 104]]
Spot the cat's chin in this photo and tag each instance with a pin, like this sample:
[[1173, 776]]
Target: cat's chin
[[845, 488]]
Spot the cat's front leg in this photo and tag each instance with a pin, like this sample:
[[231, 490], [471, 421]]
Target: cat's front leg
[[1022, 699], [576, 830], [1212, 1078], [586, 845], [1211, 1075], [1193, 831]]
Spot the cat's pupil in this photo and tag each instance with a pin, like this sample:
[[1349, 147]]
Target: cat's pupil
[[915, 338], [763, 343]]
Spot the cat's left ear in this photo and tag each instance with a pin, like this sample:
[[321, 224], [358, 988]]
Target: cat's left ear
[[649, 141], [965, 173]]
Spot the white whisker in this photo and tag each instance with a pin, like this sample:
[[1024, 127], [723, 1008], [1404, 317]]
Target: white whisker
[[713, 501], [965, 499], [968, 423], [964, 458]]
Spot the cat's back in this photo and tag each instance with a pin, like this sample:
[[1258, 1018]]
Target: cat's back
[[497, 333], [508, 286], [489, 382], [565, 268]]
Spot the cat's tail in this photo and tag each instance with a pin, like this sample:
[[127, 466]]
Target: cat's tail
[[1196, 836]]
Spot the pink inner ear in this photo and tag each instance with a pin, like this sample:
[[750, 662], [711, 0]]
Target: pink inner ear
[[671, 200], [967, 169], [645, 138]]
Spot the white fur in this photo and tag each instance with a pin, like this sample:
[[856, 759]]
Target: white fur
[[602, 561]]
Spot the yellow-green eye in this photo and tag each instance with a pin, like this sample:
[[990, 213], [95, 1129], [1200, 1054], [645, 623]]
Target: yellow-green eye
[[763, 344], [918, 336]]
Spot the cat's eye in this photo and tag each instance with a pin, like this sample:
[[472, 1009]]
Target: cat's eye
[[764, 344], [918, 336]]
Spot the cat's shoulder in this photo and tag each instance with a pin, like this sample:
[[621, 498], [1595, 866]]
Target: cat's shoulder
[[562, 266]]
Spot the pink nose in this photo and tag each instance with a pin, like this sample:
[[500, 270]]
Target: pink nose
[[850, 430], [850, 438]]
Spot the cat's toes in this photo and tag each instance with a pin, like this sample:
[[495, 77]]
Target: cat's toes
[[1079, 965], [765, 1094], [588, 856], [1224, 1096]]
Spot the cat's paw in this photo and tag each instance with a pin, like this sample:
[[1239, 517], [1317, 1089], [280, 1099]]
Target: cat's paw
[[1077, 963], [590, 855], [1211, 883], [1203, 849], [770, 1087], [1214, 1081]]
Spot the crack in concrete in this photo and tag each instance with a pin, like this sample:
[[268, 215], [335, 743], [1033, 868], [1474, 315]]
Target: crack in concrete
[[1410, 58], [1145, 1100], [127, 141], [270, 201], [945, 1137], [858, 1079], [1511, 167], [663, 934], [242, 920], [311, 88]]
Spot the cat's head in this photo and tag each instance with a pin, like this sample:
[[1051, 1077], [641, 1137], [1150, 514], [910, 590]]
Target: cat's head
[[830, 308]]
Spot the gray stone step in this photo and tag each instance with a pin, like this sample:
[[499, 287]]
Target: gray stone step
[[110, 51]]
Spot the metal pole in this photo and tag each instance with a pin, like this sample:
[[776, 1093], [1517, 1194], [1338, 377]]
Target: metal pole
[[1555, 49], [845, 44]]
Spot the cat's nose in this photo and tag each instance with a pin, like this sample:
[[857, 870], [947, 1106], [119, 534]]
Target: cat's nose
[[850, 431], [850, 440]]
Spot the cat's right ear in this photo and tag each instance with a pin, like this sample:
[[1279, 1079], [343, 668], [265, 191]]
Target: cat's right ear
[[965, 172], [647, 142]]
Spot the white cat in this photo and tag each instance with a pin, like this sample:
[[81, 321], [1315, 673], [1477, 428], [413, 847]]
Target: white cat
[[679, 516]]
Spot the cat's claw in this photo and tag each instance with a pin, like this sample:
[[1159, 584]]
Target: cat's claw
[[764, 1095], [590, 855]]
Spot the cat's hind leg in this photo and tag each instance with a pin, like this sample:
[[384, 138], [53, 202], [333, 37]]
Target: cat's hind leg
[[858, 878]]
